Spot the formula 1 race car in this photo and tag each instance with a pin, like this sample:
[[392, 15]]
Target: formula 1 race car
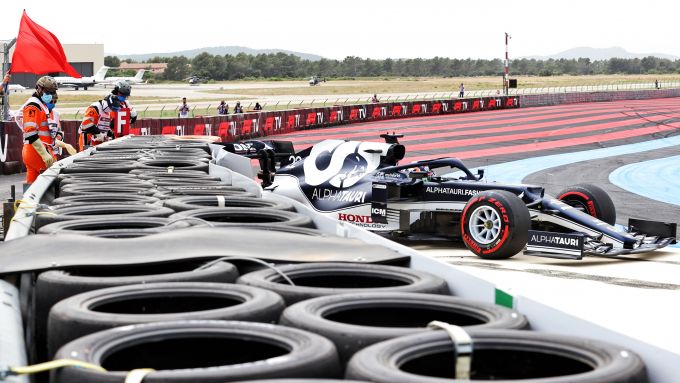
[[362, 183]]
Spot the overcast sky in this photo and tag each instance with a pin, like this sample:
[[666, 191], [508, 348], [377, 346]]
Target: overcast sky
[[364, 28]]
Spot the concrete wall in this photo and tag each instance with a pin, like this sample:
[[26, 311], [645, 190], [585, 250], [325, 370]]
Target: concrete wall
[[532, 100]]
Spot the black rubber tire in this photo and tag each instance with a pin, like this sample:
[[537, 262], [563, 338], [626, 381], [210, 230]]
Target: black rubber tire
[[70, 183], [592, 199], [186, 192], [302, 381], [246, 217], [354, 321], [102, 309], [87, 190], [92, 168], [200, 351], [187, 164], [514, 220], [200, 188], [114, 227], [55, 285], [503, 355], [175, 173], [106, 198], [101, 211], [197, 202], [180, 177], [181, 182], [321, 279]]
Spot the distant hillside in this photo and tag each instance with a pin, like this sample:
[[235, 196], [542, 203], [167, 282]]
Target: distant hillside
[[230, 50], [600, 54]]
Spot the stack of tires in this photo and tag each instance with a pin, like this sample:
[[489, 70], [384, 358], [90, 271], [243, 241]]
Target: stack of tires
[[209, 320]]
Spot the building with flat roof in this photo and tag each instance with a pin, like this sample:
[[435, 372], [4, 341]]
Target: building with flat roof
[[151, 67], [86, 59]]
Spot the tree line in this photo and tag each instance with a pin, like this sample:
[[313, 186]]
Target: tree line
[[281, 65]]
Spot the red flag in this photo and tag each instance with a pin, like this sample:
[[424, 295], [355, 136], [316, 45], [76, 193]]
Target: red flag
[[39, 51]]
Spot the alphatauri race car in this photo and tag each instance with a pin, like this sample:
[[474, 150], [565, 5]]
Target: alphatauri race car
[[363, 183]]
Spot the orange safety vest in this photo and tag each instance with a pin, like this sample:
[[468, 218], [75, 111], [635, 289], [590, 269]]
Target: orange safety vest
[[35, 121]]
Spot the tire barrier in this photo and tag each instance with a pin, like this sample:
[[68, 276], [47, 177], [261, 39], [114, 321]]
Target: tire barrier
[[184, 164], [85, 189], [156, 172], [320, 279], [245, 217], [197, 202], [201, 192], [98, 187], [106, 198], [55, 285], [76, 188], [117, 227], [200, 351], [302, 381], [89, 211], [97, 310], [354, 321], [186, 176], [91, 168], [505, 355]]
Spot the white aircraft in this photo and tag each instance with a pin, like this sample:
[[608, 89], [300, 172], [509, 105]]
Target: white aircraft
[[137, 79], [83, 82], [15, 88]]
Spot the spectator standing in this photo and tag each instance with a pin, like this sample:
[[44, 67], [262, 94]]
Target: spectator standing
[[184, 109], [375, 99], [656, 84], [258, 106], [238, 108], [222, 109], [461, 93]]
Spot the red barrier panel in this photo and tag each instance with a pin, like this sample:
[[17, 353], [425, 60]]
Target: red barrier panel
[[239, 126], [311, 119], [199, 130]]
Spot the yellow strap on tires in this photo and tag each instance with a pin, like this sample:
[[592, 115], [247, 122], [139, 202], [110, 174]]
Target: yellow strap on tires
[[51, 365], [138, 375]]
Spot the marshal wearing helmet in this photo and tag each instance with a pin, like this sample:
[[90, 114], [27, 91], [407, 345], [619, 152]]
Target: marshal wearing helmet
[[34, 121], [97, 125]]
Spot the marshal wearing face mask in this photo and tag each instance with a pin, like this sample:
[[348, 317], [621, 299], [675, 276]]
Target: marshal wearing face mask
[[33, 119], [98, 123]]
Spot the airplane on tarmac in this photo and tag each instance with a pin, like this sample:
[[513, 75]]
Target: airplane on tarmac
[[83, 82], [137, 79], [15, 88]]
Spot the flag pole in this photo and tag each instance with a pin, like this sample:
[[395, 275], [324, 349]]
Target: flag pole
[[5, 70]]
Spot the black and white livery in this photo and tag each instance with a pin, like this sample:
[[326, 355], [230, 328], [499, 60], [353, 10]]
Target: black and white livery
[[363, 183]]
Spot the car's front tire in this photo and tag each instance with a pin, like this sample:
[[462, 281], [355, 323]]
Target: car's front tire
[[495, 224], [593, 200]]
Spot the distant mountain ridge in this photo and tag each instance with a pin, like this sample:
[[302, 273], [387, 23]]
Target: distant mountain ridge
[[600, 54], [221, 51]]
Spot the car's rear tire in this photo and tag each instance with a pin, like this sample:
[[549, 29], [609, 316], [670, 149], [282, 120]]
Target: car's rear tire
[[495, 224], [593, 200]]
